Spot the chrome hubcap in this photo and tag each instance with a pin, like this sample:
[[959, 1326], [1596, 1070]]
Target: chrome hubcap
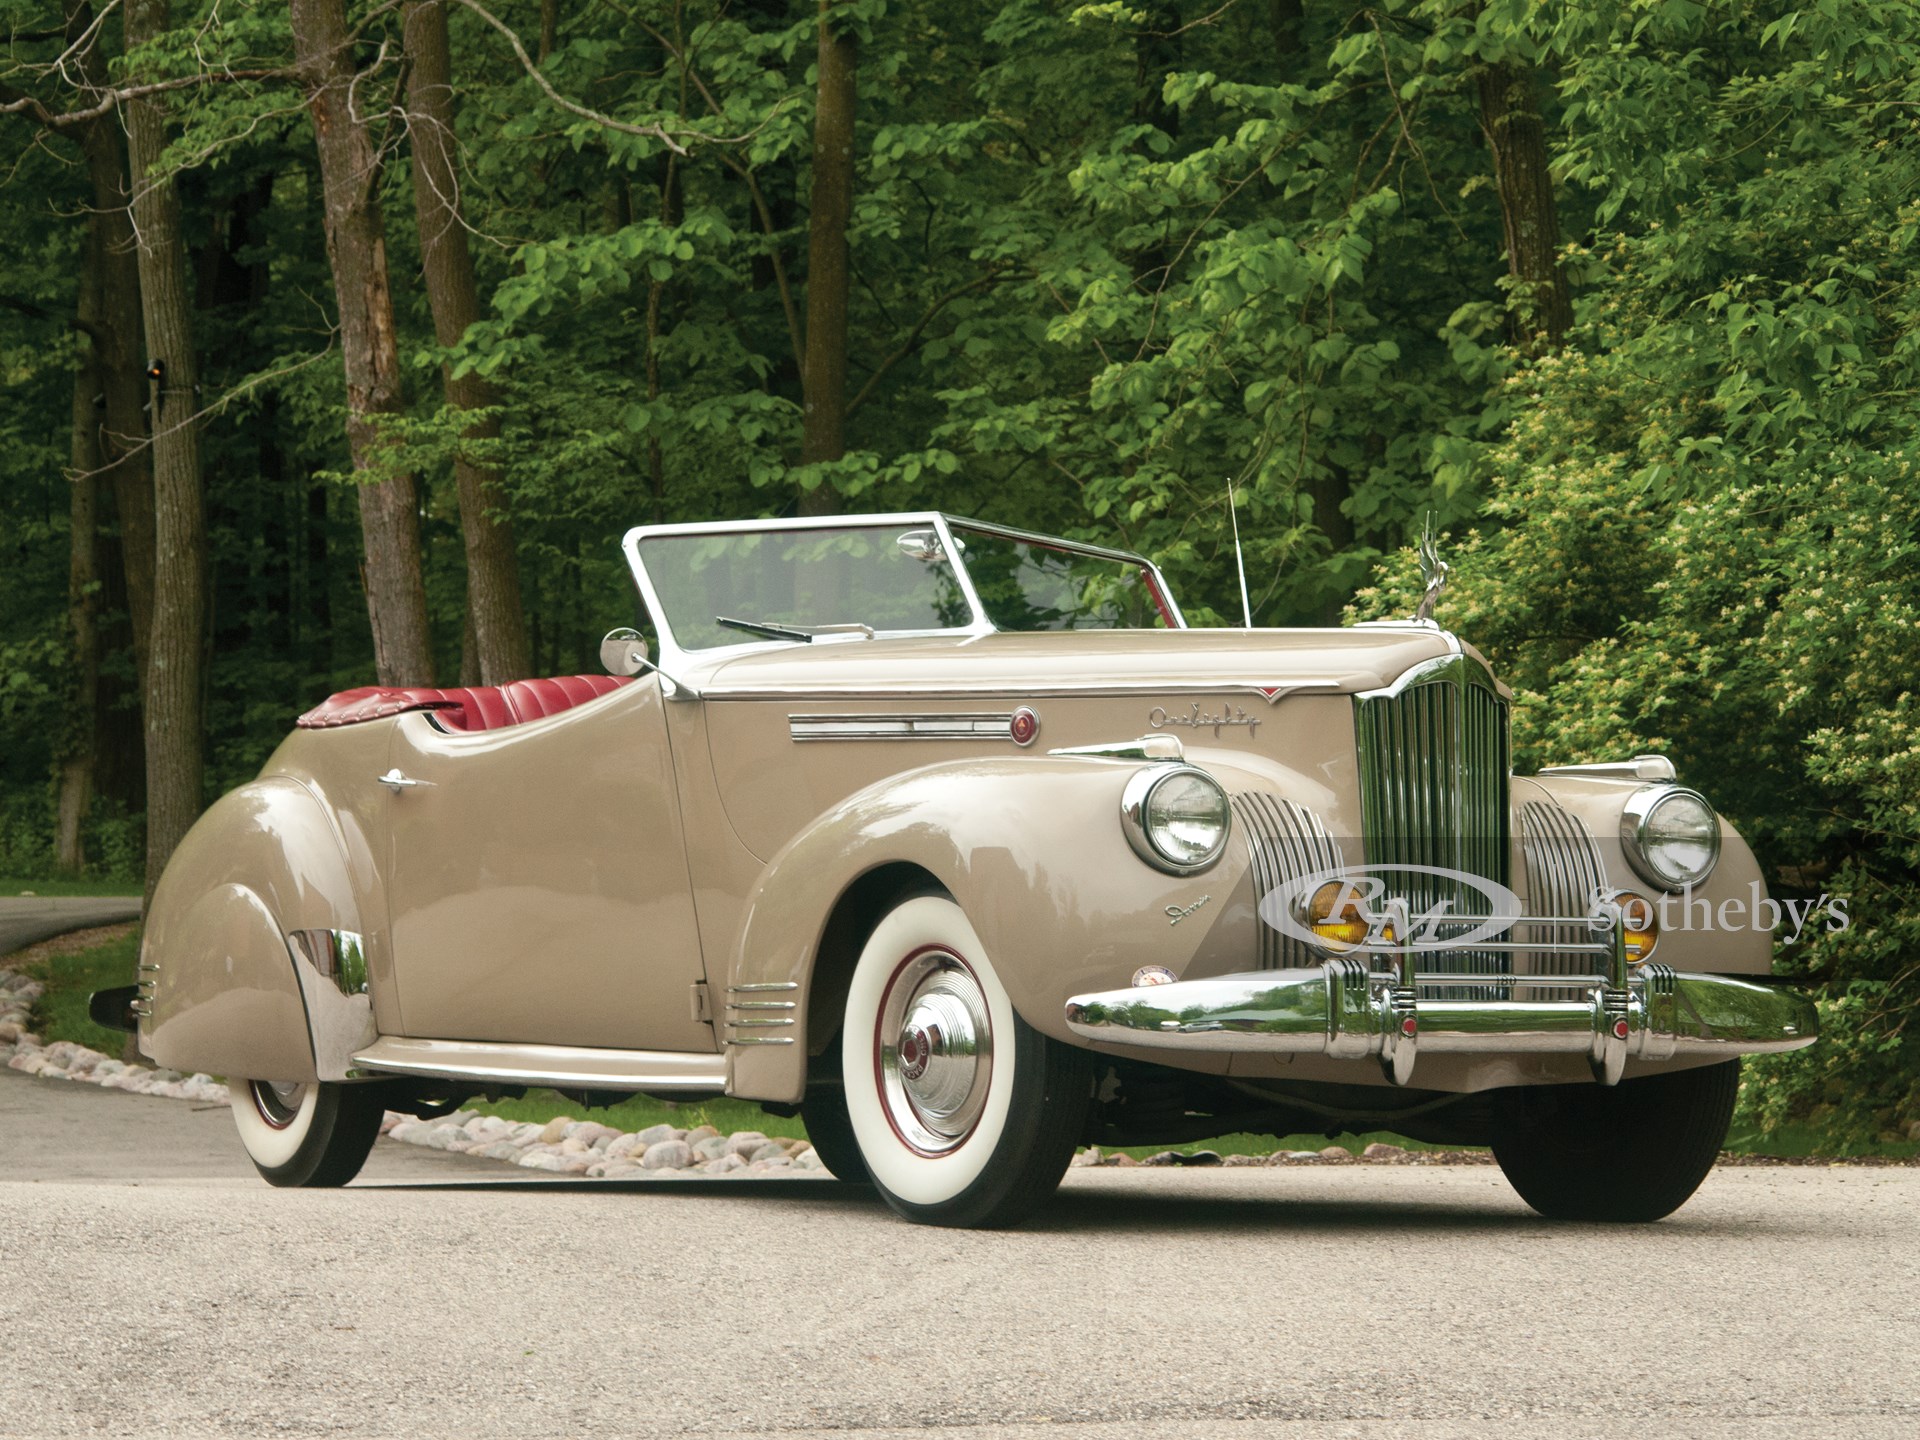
[[935, 1044], [278, 1101]]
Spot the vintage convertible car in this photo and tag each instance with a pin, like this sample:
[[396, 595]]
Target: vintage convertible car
[[958, 842]]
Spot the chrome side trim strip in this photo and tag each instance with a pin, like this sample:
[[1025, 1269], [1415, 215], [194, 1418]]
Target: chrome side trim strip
[[958, 726], [1640, 767], [1039, 690], [565, 1065]]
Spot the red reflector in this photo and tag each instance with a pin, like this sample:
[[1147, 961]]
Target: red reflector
[[1620, 1029], [1023, 726], [1409, 1025]]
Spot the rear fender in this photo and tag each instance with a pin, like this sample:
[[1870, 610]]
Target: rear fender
[[249, 902], [1031, 849]]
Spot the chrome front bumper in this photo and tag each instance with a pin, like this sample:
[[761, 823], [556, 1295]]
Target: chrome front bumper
[[1366, 1005]]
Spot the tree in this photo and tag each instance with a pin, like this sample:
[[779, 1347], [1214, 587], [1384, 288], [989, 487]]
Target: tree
[[172, 712], [823, 436], [79, 757], [117, 333], [357, 250], [1510, 114], [493, 570]]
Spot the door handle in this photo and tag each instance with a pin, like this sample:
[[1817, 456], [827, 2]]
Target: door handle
[[397, 782]]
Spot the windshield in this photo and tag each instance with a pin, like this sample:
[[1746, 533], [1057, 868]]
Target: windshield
[[883, 577], [1028, 584]]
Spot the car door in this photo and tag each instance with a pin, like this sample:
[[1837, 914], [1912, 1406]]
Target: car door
[[538, 887]]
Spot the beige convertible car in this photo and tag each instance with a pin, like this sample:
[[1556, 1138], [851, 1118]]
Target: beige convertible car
[[956, 841]]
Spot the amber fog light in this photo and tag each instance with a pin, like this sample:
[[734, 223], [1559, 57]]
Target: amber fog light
[[1642, 924], [1333, 912]]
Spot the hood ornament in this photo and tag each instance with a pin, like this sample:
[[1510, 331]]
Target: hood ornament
[[1433, 573]]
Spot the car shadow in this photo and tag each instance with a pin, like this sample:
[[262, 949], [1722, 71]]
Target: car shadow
[[1096, 1210]]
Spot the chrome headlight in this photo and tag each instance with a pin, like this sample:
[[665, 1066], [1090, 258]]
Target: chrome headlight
[[1671, 836], [1176, 817]]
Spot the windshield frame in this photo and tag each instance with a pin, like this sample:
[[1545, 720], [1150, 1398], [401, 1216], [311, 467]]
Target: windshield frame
[[672, 654]]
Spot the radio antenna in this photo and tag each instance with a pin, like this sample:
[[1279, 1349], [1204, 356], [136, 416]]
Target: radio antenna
[[1239, 560]]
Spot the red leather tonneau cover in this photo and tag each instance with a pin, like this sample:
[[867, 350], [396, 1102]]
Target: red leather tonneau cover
[[463, 707]]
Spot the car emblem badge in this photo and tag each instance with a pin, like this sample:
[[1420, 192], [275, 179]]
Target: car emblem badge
[[916, 1048], [1226, 717], [1433, 572], [1181, 912]]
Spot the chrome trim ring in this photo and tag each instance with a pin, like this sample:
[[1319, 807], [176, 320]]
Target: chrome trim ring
[[278, 1101], [1634, 817], [1133, 816], [933, 1051]]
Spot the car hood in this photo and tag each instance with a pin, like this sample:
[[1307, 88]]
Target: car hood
[[1271, 663]]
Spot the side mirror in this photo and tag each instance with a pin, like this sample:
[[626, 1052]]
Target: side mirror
[[623, 652]]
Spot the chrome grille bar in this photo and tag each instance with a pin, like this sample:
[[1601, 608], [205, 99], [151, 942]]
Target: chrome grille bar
[[1284, 842], [1563, 872], [1434, 772]]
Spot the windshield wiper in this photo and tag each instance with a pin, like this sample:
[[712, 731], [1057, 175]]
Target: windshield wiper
[[761, 627], [806, 634]]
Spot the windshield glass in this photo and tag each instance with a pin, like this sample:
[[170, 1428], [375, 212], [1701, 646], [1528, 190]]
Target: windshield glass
[[1027, 585], [886, 577]]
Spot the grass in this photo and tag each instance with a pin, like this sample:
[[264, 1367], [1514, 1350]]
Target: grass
[[70, 977], [64, 888], [1796, 1142], [1245, 1144], [642, 1111]]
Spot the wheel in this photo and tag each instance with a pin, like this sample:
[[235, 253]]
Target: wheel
[[824, 1113], [316, 1135], [1632, 1152], [963, 1114]]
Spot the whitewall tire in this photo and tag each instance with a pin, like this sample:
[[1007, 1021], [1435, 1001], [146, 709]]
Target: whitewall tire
[[305, 1135], [963, 1113]]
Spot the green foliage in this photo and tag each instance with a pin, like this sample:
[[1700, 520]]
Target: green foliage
[[1105, 257], [1699, 528], [70, 979]]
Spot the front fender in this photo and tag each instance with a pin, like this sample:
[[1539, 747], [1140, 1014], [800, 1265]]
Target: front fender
[[1031, 849], [229, 994], [1709, 930]]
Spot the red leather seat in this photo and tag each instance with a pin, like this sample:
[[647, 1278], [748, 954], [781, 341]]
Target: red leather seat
[[465, 707]]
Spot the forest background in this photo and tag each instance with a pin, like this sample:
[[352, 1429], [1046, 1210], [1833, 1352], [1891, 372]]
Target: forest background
[[344, 339]]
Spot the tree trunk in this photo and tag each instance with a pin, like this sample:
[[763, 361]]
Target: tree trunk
[[357, 250], [1288, 19], [173, 708], [493, 568], [1510, 116], [118, 342], [549, 28], [823, 436], [82, 736], [656, 296]]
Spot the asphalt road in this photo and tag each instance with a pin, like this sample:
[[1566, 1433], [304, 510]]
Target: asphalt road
[[28, 919], [149, 1286]]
